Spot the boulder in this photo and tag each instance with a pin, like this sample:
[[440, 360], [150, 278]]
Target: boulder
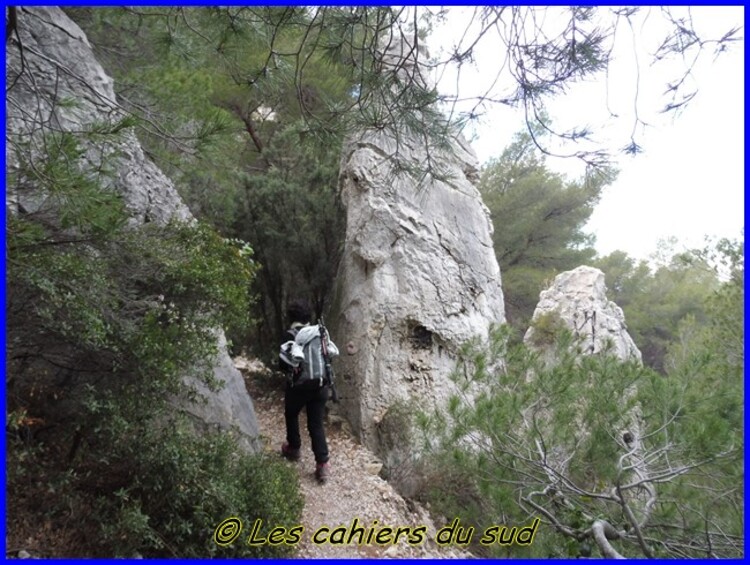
[[417, 280], [54, 83], [578, 299]]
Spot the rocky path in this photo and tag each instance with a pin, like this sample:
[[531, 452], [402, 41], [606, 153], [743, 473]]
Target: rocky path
[[354, 491]]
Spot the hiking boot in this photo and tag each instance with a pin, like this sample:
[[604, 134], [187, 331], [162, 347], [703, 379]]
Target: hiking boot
[[322, 471], [289, 453]]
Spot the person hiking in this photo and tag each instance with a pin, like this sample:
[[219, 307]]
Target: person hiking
[[299, 353]]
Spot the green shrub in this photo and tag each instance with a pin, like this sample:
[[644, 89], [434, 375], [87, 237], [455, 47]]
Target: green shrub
[[547, 329], [575, 439], [104, 322], [182, 487]]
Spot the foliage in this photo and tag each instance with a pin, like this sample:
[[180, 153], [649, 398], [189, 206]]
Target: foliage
[[228, 95], [105, 320], [589, 444], [539, 219], [217, 87], [160, 491], [249, 152], [656, 299], [246, 108], [724, 334], [279, 52], [184, 487], [294, 218], [547, 329], [708, 357], [395, 435]]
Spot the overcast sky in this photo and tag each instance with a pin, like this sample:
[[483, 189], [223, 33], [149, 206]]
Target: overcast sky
[[689, 180]]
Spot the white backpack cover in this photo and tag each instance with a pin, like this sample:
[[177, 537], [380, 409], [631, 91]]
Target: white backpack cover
[[305, 354]]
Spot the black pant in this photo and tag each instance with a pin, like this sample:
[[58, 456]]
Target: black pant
[[314, 401]]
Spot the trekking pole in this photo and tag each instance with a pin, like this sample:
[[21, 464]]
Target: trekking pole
[[327, 360]]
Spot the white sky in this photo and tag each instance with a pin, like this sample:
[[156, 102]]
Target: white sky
[[689, 180]]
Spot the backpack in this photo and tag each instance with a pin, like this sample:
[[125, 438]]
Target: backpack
[[305, 355]]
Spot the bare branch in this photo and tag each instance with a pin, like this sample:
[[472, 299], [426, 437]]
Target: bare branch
[[603, 532]]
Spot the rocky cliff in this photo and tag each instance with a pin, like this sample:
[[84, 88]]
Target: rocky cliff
[[418, 276], [55, 84]]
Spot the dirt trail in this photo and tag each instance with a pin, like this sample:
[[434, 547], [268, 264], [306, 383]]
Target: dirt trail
[[354, 490]]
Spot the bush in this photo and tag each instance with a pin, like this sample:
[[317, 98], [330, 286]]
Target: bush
[[161, 493], [181, 488], [547, 329], [104, 322], [583, 440]]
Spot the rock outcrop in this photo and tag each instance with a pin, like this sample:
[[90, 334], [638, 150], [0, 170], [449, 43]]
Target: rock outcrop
[[418, 276], [55, 84], [578, 299]]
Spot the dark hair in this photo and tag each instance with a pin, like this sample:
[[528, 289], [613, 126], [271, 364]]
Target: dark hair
[[299, 311]]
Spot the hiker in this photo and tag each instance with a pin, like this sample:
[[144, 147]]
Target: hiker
[[302, 390]]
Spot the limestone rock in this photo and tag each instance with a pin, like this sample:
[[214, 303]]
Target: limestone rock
[[418, 276], [579, 298], [59, 86], [64, 88], [229, 408]]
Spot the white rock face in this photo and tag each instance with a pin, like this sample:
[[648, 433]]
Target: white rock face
[[64, 88], [418, 277], [230, 407], [61, 87], [579, 297]]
